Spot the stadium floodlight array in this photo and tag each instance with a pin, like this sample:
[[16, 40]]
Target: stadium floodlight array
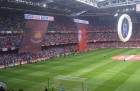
[[89, 2], [109, 3], [116, 3]]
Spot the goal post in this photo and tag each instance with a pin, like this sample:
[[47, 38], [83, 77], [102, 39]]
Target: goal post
[[70, 83]]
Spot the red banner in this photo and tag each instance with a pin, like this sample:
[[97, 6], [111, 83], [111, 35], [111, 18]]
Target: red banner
[[33, 35], [82, 44]]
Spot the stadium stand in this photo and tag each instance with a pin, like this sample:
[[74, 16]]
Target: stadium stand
[[61, 39]]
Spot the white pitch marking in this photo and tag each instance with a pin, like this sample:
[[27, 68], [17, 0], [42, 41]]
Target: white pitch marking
[[121, 57], [129, 57]]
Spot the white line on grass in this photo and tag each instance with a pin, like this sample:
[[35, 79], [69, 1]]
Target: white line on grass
[[121, 57], [102, 84], [129, 57]]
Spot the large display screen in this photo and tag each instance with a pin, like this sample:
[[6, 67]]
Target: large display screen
[[38, 17], [124, 28]]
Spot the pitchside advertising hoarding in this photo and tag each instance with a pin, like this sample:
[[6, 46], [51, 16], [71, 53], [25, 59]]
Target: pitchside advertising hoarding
[[38, 17], [81, 21], [137, 7]]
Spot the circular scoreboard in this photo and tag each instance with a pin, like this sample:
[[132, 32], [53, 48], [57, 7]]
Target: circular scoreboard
[[124, 28]]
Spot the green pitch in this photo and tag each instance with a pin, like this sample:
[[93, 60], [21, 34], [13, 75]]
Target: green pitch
[[102, 73]]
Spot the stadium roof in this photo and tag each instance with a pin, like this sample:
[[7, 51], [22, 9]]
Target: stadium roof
[[68, 7]]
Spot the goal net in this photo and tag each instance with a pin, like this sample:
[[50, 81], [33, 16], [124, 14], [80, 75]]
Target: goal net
[[69, 83]]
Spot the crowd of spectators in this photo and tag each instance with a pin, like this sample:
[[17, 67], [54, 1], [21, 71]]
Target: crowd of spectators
[[102, 32], [17, 23], [60, 38], [62, 25], [108, 32], [60, 33], [58, 51], [131, 44], [9, 41], [10, 26], [11, 23], [46, 53], [100, 26], [102, 36], [12, 41]]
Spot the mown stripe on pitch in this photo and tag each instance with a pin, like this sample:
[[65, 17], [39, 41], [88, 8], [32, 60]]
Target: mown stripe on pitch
[[125, 52], [38, 87], [99, 61], [92, 64], [102, 62], [103, 68], [119, 79], [86, 54], [105, 75], [36, 79], [76, 65], [132, 84], [20, 83]]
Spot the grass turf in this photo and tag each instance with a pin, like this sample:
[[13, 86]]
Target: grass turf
[[102, 73]]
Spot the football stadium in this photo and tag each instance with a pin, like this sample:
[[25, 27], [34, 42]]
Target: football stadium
[[69, 45]]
